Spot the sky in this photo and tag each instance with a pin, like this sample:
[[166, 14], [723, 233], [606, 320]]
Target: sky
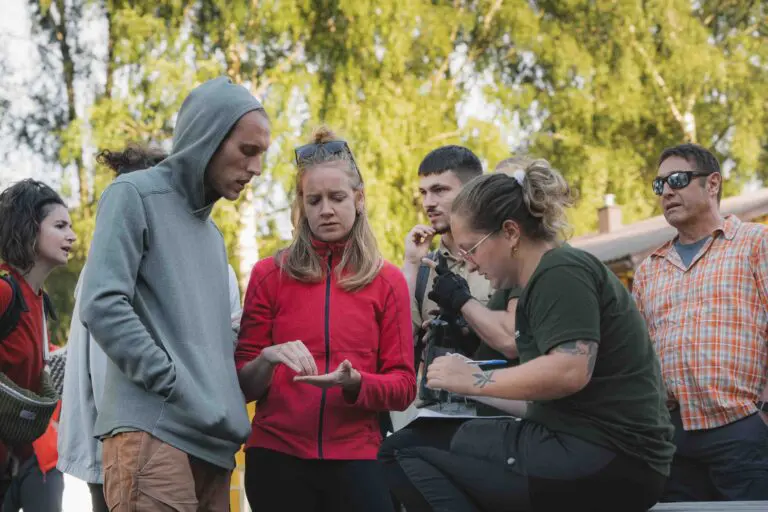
[[17, 50]]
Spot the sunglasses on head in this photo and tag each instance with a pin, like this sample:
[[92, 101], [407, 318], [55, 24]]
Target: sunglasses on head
[[676, 180], [305, 153]]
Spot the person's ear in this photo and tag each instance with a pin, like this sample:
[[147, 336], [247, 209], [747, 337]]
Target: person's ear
[[714, 183], [511, 232]]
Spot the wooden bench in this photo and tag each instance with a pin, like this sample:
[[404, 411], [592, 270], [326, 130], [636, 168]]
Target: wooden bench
[[713, 506]]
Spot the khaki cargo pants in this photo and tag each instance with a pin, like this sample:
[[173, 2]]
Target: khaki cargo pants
[[141, 473]]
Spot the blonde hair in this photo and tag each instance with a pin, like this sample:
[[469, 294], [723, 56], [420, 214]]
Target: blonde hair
[[538, 204], [361, 260]]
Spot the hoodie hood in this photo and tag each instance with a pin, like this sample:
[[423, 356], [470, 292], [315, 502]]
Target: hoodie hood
[[205, 119]]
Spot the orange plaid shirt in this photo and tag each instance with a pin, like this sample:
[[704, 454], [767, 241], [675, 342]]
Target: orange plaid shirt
[[709, 322]]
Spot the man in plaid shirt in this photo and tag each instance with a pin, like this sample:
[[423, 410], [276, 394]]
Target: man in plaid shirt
[[704, 296]]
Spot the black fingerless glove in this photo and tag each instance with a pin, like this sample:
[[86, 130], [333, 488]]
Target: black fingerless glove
[[450, 291]]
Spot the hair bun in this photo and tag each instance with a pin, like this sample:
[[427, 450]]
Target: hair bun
[[511, 165], [323, 134], [547, 196]]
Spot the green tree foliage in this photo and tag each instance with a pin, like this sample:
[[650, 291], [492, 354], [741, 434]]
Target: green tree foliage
[[598, 88], [603, 87]]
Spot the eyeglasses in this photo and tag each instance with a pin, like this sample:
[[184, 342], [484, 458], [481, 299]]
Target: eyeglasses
[[304, 154], [676, 180], [468, 255]]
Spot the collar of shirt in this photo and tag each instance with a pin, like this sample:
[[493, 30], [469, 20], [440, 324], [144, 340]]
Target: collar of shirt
[[442, 250], [728, 227]]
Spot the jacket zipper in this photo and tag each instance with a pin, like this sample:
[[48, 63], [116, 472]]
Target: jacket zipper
[[327, 354]]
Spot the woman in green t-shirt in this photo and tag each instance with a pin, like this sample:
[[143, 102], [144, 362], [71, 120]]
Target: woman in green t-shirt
[[597, 434]]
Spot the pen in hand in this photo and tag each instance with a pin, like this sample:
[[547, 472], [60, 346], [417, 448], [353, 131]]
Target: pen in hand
[[489, 362]]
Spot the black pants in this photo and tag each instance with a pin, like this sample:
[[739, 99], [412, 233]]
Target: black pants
[[98, 503], [276, 482], [434, 432], [510, 465], [725, 463]]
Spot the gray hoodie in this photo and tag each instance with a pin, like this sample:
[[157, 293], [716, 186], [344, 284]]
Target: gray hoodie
[[155, 294], [79, 450]]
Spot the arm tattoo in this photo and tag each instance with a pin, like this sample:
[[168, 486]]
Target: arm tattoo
[[483, 379], [580, 348]]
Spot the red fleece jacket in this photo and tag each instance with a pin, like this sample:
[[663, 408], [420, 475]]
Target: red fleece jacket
[[21, 354], [371, 327]]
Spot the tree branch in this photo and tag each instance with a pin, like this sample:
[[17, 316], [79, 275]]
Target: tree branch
[[68, 69], [489, 17], [673, 107], [438, 76]]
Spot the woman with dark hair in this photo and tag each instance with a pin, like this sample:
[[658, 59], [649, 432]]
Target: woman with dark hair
[[36, 237], [596, 435], [324, 347], [133, 158]]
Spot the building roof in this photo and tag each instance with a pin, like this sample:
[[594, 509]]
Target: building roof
[[637, 240]]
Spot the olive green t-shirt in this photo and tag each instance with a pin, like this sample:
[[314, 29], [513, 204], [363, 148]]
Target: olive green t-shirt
[[573, 296]]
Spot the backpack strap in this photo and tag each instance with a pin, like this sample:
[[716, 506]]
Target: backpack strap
[[10, 317], [422, 278], [50, 311]]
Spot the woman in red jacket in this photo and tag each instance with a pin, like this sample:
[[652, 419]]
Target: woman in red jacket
[[324, 347], [36, 237]]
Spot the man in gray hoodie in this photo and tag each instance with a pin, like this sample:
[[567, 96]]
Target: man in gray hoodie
[[155, 298]]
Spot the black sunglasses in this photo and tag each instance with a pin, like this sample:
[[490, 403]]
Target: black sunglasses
[[334, 147], [676, 180]]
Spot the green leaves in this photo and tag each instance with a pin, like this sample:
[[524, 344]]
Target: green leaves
[[597, 88], [615, 84]]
